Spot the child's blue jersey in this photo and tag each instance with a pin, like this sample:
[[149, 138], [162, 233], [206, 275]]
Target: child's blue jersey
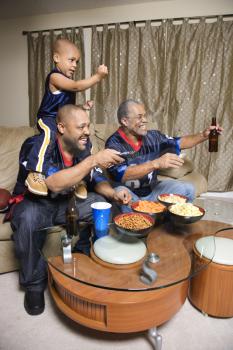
[[153, 145], [51, 102]]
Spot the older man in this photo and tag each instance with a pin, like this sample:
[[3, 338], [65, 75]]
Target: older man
[[147, 151], [70, 162]]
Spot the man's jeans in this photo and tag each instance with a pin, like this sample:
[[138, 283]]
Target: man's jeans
[[32, 215], [167, 186]]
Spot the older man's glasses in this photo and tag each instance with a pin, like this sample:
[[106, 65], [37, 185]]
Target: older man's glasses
[[140, 117]]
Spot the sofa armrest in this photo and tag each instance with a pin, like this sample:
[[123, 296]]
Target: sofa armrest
[[198, 180], [11, 139]]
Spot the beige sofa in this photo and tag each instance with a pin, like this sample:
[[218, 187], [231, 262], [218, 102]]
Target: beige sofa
[[10, 142]]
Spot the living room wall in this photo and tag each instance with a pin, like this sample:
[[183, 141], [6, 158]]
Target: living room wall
[[13, 53]]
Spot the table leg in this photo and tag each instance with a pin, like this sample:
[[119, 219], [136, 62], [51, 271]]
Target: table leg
[[156, 338], [66, 249]]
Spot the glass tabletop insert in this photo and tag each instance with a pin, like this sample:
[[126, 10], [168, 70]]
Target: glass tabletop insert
[[172, 247]]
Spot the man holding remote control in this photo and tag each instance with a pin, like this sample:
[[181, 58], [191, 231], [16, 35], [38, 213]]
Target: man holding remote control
[[145, 152]]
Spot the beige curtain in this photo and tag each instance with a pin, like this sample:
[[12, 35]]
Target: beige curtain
[[198, 85], [40, 63], [135, 59], [183, 74]]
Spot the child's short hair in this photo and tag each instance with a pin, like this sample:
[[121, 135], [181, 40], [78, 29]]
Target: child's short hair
[[59, 43]]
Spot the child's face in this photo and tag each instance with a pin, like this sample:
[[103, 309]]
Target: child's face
[[67, 59]]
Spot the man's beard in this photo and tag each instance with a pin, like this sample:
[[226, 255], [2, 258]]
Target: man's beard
[[73, 148]]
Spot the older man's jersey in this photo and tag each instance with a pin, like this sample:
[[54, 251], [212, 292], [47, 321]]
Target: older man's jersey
[[151, 146]]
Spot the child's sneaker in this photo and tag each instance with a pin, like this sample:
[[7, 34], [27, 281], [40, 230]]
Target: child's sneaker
[[36, 184], [81, 190]]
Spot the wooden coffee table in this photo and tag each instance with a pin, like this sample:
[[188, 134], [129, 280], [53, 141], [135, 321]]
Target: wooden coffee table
[[112, 298]]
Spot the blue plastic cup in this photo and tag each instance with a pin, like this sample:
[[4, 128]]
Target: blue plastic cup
[[101, 214]]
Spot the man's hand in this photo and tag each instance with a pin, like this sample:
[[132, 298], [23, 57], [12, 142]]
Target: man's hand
[[105, 189], [206, 132], [122, 197], [102, 71], [168, 160], [106, 158]]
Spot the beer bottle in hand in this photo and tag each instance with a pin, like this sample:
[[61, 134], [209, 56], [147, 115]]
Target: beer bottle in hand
[[72, 217], [213, 138]]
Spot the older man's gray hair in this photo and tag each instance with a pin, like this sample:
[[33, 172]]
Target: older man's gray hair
[[123, 109]]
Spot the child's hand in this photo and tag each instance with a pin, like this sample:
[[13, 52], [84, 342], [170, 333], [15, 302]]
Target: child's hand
[[88, 105], [102, 71]]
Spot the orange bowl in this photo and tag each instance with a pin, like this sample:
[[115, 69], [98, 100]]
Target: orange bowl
[[154, 209], [134, 224]]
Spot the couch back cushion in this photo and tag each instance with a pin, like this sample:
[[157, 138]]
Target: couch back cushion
[[100, 133], [11, 139]]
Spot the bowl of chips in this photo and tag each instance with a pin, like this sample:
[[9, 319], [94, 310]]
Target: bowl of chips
[[171, 198], [134, 224], [185, 213], [154, 209]]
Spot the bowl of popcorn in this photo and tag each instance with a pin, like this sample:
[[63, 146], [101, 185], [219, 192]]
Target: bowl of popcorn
[[134, 224], [154, 209], [171, 198], [185, 213]]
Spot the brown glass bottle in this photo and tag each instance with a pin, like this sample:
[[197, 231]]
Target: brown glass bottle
[[213, 138], [72, 216]]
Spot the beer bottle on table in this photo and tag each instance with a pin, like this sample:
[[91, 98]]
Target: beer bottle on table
[[72, 216], [213, 138]]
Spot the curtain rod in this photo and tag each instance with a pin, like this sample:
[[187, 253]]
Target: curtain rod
[[136, 22]]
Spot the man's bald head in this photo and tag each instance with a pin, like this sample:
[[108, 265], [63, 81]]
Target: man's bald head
[[69, 112]]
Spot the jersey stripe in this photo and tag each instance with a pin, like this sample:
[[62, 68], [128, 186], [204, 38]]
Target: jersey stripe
[[47, 132]]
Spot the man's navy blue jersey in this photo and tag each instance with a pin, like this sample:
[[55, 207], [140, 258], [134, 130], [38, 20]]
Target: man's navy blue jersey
[[56, 163], [51, 102], [153, 145]]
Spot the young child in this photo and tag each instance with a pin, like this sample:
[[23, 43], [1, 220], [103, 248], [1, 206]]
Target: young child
[[60, 89]]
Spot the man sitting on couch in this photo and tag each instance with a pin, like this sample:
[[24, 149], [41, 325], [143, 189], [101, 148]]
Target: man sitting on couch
[[71, 161], [145, 152]]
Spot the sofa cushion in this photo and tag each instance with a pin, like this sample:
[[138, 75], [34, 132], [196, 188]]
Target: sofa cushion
[[197, 179], [11, 140], [5, 229], [8, 260], [100, 133]]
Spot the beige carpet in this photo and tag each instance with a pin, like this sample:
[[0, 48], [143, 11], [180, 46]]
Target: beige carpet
[[188, 330]]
